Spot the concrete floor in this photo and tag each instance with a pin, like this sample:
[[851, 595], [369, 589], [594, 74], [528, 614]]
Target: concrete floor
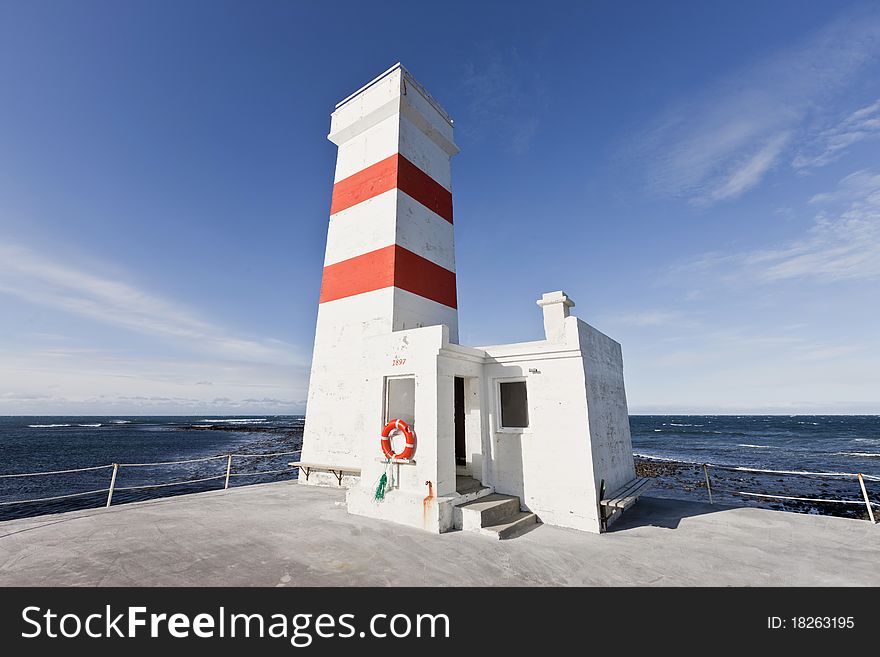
[[290, 535]]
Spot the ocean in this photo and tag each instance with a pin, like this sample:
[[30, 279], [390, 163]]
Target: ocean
[[41, 444], [669, 448]]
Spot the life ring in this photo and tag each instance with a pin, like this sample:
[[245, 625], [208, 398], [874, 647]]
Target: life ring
[[410, 447]]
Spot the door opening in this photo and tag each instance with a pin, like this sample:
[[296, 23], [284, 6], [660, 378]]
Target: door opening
[[458, 412]]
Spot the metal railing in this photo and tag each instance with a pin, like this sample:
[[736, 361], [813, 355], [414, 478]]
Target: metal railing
[[112, 488], [860, 478], [866, 500]]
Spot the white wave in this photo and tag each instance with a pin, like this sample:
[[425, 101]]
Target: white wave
[[98, 424], [120, 421], [756, 446], [47, 426], [791, 472], [658, 429], [201, 426], [238, 421], [656, 458], [859, 454], [867, 440]]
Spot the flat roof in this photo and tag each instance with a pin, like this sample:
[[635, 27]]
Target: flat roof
[[412, 80], [279, 534]]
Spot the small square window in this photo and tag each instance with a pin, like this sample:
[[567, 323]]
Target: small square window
[[400, 399], [514, 405]]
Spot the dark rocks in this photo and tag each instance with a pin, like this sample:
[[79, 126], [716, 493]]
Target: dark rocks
[[687, 481]]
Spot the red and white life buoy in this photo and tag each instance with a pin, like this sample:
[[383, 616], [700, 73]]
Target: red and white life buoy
[[410, 447]]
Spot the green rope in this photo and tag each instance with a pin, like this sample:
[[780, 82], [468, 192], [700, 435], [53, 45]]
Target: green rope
[[380, 489], [382, 484]]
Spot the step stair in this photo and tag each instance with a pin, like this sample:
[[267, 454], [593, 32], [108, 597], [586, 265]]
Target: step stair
[[469, 489], [495, 515]]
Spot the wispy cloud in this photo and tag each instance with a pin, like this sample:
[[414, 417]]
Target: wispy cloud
[[43, 280], [752, 368], [744, 175], [722, 142], [858, 188], [832, 143], [74, 380], [843, 242]]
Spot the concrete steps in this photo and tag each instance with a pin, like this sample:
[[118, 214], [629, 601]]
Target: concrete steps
[[469, 489], [512, 526], [494, 515]]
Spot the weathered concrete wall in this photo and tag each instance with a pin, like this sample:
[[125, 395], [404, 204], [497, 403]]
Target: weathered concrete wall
[[338, 403], [419, 487], [549, 464], [610, 438], [578, 430]]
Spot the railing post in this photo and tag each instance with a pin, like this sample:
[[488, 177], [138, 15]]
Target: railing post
[[708, 485], [228, 470], [867, 499], [112, 483]]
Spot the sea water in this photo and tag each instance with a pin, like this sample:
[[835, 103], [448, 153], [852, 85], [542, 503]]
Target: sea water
[[40, 444], [665, 447]]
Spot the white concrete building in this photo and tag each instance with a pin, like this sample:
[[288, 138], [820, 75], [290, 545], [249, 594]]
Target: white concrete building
[[505, 434]]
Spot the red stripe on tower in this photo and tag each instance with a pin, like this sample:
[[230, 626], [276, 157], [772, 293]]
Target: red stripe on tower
[[386, 267], [392, 172], [365, 184], [419, 185], [418, 275], [363, 273]]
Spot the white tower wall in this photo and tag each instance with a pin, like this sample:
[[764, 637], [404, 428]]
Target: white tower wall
[[389, 263]]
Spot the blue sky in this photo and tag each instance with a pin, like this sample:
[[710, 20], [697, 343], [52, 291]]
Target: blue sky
[[702, 178]]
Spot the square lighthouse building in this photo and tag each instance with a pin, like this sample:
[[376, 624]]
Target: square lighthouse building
[[491, 439]]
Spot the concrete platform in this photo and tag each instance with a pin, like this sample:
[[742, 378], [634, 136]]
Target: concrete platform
[[290, 535]]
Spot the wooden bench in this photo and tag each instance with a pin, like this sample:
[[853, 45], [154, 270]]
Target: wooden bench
[[623, 498], [338, 470]]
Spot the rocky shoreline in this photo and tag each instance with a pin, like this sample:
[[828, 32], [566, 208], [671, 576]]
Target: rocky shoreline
[[687, 481], [275, 438], [243, 428]]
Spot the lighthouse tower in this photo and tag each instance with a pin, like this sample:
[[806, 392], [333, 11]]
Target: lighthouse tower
[[502, 435], [389, 264]]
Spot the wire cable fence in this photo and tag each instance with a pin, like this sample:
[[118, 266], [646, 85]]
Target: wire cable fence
[[712, 484], [116, 468], [740, 488]]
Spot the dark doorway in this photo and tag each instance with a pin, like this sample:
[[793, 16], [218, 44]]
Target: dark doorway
[[458, 410]]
